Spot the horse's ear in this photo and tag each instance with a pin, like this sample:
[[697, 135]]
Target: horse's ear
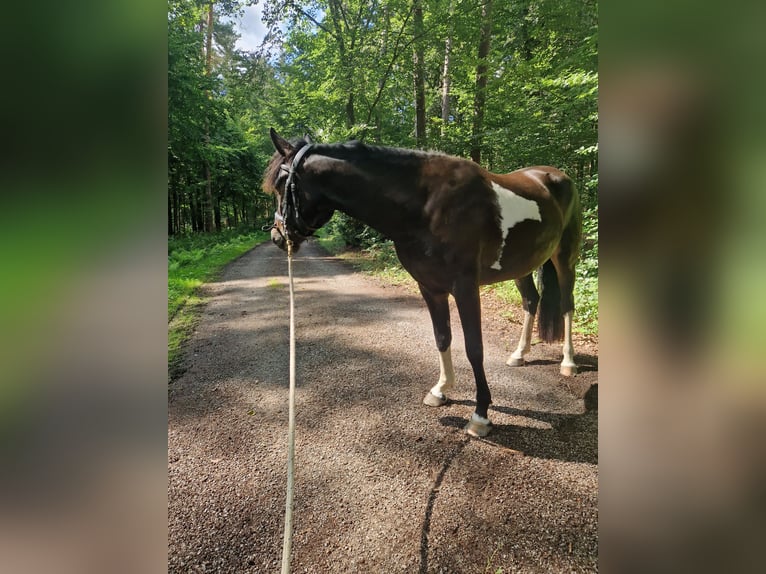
[[281, 144]]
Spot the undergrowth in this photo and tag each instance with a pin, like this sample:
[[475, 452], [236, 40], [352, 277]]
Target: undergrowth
[[192, 261], [371, 253], [378, 259], [586, 283]]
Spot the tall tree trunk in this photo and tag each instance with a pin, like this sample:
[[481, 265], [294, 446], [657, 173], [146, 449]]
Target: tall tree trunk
[[177, 210], [480, 97], [217, 208], [194, 211], [173, 227], [208, 203], [180, 206], [382, 80], [445, 72], [337, 16], [420, 90], [207, 200], [170, 214], [350, 115], [527, 42], [180, 209]]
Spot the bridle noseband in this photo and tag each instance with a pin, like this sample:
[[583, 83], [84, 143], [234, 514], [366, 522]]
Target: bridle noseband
[[289, 208]]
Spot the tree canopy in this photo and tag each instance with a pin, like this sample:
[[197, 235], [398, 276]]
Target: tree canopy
[[509, 84]]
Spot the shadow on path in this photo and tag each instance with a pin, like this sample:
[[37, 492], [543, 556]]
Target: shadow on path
[[565, 437], [432, 500]]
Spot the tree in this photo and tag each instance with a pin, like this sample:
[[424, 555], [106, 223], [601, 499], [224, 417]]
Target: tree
[[208, 203], [419, 74], [480, 96], [214, 159], [445, 107], [515, 87]]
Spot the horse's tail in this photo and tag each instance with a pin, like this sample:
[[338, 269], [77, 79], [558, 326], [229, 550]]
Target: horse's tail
[[550, 320]]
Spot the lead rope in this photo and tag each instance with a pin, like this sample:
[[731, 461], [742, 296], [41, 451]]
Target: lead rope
[[288, 538]]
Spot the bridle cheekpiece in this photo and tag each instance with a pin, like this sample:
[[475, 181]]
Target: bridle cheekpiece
[[289, 208]]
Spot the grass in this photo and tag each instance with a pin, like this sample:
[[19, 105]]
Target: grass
[[380, 261], [491, 559], [507, 293], [194, 260]]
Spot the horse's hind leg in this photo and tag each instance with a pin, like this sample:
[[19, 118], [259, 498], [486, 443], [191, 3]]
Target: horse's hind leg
[[564, 264], [438, 307], [529, 300], [568, 366]]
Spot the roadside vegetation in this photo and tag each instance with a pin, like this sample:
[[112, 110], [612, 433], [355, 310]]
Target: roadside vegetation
[[364, 248], [506, 84], [193, 260], [371, 253]]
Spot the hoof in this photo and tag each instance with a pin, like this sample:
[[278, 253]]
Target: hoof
[[433, 401], [569, 370], [477, 427], [515, 362]]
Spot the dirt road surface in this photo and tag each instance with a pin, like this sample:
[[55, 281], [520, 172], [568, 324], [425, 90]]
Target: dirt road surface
[[383, 483]]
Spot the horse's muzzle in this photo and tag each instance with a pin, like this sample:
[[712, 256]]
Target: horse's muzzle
[[278, 239]]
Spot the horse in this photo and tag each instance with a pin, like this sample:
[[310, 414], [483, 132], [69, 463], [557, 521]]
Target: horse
[[455, 226]]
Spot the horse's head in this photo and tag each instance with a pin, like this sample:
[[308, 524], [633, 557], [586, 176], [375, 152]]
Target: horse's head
[[301, 210]]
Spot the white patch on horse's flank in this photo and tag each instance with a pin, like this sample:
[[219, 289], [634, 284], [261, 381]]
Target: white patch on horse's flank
[[513, 209]]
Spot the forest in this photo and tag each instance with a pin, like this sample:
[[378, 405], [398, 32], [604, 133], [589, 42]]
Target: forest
[[505, 83]]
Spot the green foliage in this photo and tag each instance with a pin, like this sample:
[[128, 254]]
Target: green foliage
[[196, 258], [506, 292], [341, 70], [330, 242], [216, 156], [378, 259], [352, 232], [489, 568], [586, 284], [193, 260]]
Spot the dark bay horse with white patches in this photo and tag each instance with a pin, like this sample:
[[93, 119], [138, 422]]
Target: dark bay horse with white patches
[[455, 227]]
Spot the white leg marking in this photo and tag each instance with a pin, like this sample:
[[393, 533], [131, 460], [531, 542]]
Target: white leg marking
[[479, 419], [525, 341], [446, 374], [513, 209], [568, 361], [478, 426]]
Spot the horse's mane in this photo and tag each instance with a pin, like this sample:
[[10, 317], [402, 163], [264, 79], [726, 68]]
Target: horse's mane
[[349, 150], [355, 149]]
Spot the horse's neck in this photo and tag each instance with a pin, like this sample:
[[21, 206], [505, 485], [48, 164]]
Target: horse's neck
[[382, 204]]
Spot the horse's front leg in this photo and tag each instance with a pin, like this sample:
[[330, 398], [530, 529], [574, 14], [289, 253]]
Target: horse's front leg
[[438, 307], [469, 307]]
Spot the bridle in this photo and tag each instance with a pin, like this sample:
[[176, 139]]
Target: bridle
[[288, 213]]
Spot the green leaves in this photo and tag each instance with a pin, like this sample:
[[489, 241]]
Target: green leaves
[[192, 261], [344, 69]]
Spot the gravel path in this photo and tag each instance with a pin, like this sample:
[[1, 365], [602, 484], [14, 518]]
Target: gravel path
[[383, 483]]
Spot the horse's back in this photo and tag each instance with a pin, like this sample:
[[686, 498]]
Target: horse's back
[[537, 177], [535, 206], [542, 183]]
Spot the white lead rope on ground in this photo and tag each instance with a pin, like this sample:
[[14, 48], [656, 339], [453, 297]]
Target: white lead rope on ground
[[288, 538]]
